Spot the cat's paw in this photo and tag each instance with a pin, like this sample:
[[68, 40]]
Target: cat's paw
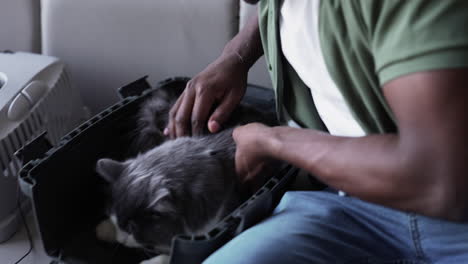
[[105, 231], [161, 259]]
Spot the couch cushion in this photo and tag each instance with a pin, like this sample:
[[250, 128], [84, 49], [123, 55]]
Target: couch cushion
[[20, 25], [108, 43]]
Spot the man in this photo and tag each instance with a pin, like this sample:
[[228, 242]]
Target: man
[[389, 81]]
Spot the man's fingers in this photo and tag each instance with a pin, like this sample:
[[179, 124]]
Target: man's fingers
[[201, 110], [170, 128], [221, 114], [179, 116], [184, 113]]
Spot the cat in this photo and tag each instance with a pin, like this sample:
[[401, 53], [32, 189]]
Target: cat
[[180, 186]]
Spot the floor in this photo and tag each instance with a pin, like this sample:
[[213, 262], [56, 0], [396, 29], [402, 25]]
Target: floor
[[12, 250]]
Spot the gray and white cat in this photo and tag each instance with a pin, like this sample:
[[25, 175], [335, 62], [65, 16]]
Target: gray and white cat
[[181, 186]]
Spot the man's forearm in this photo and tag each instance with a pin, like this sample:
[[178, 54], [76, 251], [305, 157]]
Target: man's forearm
[[247, 44], [376, 168]]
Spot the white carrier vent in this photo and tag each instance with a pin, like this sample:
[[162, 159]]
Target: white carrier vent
[[35, 96]]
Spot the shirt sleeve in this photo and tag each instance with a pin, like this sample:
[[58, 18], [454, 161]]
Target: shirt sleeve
[[418, 35]]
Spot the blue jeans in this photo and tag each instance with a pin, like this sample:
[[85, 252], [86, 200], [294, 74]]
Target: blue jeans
[[322, 227]]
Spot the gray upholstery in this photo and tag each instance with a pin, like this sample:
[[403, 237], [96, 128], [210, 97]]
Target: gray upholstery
[[20, 25], [107, 43]]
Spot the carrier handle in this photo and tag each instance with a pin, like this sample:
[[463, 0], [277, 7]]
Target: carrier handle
[[34, 149], [134, 88]]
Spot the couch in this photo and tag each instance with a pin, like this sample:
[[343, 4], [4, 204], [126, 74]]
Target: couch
[[108, 43]]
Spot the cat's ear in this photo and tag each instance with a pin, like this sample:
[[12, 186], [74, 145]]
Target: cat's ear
[[109, 169]]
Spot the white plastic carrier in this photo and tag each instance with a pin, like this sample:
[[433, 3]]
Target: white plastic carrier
[[35, 96]]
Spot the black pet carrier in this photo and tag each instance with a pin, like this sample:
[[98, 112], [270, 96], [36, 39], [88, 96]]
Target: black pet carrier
[[68, 199]]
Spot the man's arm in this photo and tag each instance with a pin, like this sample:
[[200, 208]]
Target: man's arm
[[422, 168]]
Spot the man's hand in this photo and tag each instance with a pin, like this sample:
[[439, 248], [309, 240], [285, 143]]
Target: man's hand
[[219, 88], [252, 155], [211, 96]]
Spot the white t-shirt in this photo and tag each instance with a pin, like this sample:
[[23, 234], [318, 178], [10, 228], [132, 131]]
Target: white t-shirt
[[299, 33]]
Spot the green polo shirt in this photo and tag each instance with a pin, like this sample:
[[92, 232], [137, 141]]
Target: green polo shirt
[[366, 44]]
